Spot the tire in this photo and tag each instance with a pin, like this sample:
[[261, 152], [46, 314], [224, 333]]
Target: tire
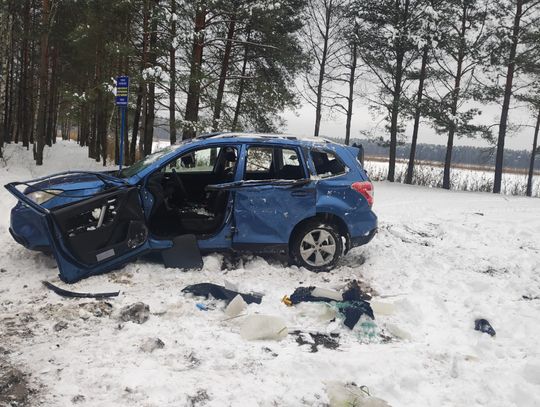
[[312, 244]]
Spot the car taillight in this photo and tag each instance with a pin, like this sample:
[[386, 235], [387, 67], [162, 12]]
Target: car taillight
[[365, 188]]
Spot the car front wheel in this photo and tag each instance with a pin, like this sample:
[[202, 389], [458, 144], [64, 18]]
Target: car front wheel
[[316, 246]]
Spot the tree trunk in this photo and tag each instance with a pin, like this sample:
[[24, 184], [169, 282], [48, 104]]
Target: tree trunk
[[43, 85], [151, 96], [172, 76], [51, 132], [455, 99], [322, 70], [507, 96], [25, 111], [350, 99], [241, 85], [394, 115], [223, 74], [533, 155], [417, 113], [141, 89], [396, 101], [195, 76]]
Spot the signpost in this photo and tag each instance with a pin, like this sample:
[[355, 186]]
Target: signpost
[[122, 95]]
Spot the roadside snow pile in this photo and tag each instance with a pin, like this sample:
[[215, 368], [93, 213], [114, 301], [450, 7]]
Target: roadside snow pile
[[441, 261]]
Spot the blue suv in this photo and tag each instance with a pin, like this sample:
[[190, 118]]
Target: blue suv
[[308, 198]]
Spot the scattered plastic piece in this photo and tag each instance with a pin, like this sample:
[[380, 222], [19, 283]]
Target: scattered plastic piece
[[235, 307], [256, 327], [382, 308], [349, 394], [483, 325], [72, 294], [397, 331], [151, 344], [220, 293], [201, 306], [366, 329], [326, 293]]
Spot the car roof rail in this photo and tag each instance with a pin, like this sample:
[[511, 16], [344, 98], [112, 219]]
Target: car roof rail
[[262, 135]]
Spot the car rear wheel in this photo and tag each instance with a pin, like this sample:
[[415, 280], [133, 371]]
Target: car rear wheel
[[316, 246]]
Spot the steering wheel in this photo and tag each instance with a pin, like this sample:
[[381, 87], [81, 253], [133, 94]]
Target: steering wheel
[[178, 181]]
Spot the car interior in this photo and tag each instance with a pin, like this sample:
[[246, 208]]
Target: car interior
[[184, 205], [181, 202]]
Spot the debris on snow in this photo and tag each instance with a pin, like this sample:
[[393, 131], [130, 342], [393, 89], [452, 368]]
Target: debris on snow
[[349, 394], [220, 293], [71, 294], [14, 389], [256, 327], [396, 331], [329, 341], [235, 307], [483, 325], [97, 309], [151, 344], [138, 313], [382, 308], [60, 325]]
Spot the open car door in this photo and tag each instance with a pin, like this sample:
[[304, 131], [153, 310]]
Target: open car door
[[96, 234]]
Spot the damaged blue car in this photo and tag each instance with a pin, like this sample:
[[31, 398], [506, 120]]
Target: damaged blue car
[[308, 198]]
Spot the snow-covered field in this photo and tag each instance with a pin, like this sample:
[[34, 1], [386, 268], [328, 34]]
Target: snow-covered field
[[442, 258], [461, 179]]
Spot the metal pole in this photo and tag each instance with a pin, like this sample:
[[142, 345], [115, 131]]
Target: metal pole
[[123, 125]]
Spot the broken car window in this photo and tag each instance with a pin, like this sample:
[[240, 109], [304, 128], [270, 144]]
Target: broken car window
[[327, 164], [202, 160]]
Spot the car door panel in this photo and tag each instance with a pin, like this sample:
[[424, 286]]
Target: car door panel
[[95, 234], [266, 214], [101, 227]]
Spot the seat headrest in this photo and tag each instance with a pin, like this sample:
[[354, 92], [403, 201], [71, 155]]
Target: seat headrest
[[230, 155]]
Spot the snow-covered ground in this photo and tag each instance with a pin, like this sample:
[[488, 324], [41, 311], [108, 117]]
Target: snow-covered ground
[[441, 258]]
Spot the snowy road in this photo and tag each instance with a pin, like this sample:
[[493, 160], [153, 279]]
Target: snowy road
[[442, 258]]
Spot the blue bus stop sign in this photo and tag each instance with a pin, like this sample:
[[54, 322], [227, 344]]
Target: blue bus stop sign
[[122, 95], [122, 90]]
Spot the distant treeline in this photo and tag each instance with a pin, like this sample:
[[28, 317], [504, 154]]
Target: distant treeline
[[467, 155]]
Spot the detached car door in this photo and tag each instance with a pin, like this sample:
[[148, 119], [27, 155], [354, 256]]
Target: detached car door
[[95, 234], [275, 194]]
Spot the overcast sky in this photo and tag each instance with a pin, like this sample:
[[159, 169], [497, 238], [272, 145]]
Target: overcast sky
[[302, 122]]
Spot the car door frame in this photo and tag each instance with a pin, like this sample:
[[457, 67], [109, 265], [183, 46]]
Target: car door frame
[[281, 240], [71, 267]]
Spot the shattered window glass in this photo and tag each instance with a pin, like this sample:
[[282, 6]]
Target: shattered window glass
[[202, 160], [327, 164]]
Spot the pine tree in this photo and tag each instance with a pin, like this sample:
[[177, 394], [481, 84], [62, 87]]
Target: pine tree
[[518, 43], [387, 31], [462, 50]]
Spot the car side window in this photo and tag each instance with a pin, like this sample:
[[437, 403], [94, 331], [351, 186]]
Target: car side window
[[201, 161], [327, 164], [272, 163]]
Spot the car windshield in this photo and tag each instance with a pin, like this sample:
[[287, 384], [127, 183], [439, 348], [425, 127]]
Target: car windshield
[[145, 162]]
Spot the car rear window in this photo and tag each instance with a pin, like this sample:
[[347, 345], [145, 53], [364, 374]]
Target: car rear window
[[327, 164]]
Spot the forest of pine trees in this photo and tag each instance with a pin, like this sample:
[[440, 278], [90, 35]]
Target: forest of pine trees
[[233, 65]]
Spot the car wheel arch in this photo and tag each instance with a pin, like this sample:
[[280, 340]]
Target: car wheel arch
[[327, 218]]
